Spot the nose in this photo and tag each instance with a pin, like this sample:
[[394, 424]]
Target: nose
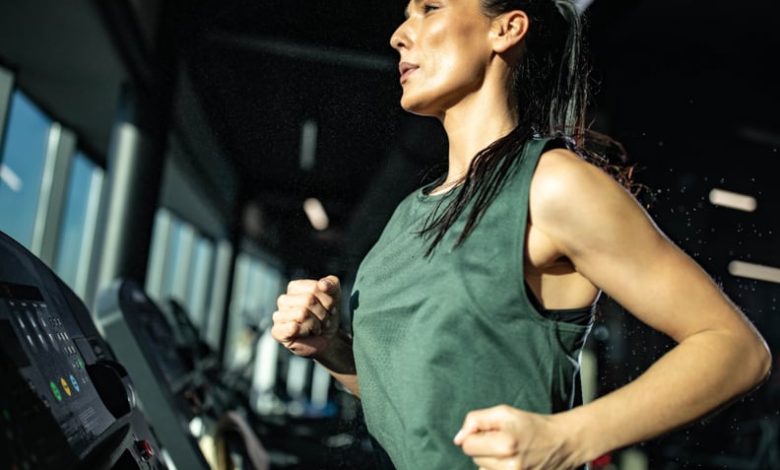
[[400, 38]]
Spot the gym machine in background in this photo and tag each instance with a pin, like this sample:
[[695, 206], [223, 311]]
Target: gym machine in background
[[188, 396], [65, 402], [146, 394]]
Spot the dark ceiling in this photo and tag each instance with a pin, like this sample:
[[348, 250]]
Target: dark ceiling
[[688, 88]]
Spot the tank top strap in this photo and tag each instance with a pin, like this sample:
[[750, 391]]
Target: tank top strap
[[533, 150], [523, 169], [526, 165]]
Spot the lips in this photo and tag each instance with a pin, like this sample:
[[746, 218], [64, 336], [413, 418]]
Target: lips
[[406, 68]]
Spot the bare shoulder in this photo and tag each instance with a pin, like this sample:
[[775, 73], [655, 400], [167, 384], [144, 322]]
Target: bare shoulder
[[612, 242], [563, 178], [580, 206]]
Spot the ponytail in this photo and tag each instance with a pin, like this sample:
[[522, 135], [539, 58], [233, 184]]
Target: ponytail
[[549, 86]]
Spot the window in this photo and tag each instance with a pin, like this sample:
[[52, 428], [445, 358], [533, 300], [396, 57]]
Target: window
[[201, 275], [77, 232], [181, 266], [21, 168], [255, 288], [177, 256]]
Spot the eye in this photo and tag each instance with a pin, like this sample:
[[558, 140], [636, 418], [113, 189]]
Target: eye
[[428, 7]]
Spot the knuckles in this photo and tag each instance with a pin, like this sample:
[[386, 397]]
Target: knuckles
[[510, 447], [301, 314], [470, 421], [298, 312], [505, 409]]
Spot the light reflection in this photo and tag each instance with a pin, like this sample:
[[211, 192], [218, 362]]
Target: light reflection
[[754, 271], [316, 213], [10, 178], [742, 202]]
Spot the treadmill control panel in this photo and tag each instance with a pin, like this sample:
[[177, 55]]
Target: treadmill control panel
[[51, 378], [65, 402]]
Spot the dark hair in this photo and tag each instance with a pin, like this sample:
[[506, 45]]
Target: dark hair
[[549, 93]]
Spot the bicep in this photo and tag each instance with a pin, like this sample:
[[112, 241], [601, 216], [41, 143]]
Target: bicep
[[612, 241]]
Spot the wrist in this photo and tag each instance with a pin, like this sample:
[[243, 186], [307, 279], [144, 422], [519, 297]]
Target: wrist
[[577, 436], [337, 356]]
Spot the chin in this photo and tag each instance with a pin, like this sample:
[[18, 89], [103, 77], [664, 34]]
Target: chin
[[417, 106]]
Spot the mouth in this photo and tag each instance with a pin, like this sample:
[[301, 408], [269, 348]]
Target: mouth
[[406, 69]]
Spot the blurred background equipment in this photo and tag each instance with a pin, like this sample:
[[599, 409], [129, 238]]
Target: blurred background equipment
[[65, 401]]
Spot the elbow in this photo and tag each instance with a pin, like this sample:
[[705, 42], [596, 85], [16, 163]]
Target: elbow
[[766, 361], [761, 358], [750, 359]]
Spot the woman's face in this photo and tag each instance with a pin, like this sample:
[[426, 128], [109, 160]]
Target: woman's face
[[444, 51]]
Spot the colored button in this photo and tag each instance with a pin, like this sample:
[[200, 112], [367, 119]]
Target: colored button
[[145, 448], [65, 386], [7, 415], [75, 383], [55, 391]]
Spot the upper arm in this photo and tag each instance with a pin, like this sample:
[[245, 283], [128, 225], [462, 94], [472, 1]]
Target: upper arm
[[612, 241]]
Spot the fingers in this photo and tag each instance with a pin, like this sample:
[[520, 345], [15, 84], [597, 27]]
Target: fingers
[[489, 419], [327, 289], [284, 332], [306, 310], [304, 303], [489, 463], [306, 323], [330, 285], [494, 444]]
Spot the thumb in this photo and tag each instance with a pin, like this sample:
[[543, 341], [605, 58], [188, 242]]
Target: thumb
[[489, 419], [329, 285]]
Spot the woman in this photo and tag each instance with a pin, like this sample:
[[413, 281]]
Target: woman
[[468, 312]]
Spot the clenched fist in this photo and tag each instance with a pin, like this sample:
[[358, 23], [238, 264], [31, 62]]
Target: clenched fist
[[307, 318]]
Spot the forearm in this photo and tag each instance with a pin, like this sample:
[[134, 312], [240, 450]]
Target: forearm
[[340, 362], [697, 376]]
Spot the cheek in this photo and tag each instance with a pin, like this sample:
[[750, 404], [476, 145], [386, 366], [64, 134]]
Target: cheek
[[435, 50], [450, 62], [458, 52]]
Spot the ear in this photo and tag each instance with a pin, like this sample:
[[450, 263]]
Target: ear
[[508, 30]]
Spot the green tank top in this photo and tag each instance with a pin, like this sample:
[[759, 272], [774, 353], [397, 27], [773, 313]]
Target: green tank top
[[437, 337]]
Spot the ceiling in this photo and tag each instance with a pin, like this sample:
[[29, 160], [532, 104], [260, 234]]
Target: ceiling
[[686, 88], [60, 57], [689, 90]]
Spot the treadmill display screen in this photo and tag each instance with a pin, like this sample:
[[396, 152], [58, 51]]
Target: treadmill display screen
[[41, 345]]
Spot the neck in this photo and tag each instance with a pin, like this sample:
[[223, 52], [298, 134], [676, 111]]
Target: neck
[[472, 124]]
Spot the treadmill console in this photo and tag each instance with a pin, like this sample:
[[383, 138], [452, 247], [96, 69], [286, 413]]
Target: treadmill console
[[64, 402], [145, 342]]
